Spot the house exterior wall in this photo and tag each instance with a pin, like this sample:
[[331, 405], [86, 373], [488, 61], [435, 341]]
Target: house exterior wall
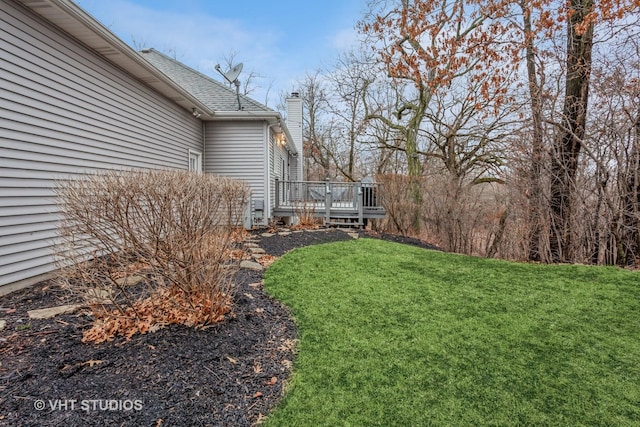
[[236, 149], [295, 168], [67, 111]]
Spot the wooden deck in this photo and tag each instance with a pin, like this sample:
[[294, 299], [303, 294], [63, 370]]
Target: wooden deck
[[336, 202]]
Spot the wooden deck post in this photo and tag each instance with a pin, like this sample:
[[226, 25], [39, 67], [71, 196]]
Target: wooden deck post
[[360, 204], [327, 203]]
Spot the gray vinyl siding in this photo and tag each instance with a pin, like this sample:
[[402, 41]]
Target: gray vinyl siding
[[296, 168], [236, 149], [66, 111]]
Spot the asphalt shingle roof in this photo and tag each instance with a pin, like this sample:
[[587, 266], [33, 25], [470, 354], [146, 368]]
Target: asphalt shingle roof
[[210, 92]]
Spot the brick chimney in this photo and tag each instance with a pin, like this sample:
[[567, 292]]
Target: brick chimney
[[294, 124]]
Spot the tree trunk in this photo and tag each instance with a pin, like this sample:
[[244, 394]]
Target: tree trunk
[[567, 146], [602, 177], [537, 148], [415, 173]]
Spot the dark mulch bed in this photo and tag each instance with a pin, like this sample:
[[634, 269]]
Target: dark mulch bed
[[230, 374]]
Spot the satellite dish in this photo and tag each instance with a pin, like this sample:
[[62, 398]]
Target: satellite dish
[[233, 73], [232, 77]]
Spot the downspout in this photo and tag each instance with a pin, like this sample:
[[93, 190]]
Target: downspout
[[204, 146], [267, 201]]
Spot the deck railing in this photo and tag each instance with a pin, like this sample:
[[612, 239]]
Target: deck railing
[[331, 199]]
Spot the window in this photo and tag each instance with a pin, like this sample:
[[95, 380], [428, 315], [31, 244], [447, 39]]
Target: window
[[195, 161]]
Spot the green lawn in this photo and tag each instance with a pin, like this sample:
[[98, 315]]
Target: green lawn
[[396, 335]]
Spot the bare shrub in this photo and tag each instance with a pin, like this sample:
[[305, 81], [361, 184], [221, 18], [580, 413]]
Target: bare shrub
[[150, 248], [462, 217], [397, 198], [306, 214], [457, 216]]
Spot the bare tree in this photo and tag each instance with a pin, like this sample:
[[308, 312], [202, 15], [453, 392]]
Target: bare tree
[[535, 79], [347, 83], [248, 83], [429, 45], [613, 151], [564, 164], [317, 132]]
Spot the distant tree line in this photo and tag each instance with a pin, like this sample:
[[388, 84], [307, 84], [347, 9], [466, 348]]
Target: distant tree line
[[499, 128]]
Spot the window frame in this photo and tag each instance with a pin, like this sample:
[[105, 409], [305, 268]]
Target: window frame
[[197, 157]]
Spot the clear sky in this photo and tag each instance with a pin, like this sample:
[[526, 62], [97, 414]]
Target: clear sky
[[278, 40]]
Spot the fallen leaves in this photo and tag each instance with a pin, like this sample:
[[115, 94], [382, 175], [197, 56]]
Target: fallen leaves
[[165, 307], [130, 270], [287, 345], [239, 234], [267, 260], [238, 254], [272, 381]]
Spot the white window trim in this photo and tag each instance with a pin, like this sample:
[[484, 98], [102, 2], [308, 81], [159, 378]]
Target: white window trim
[[197, 156]]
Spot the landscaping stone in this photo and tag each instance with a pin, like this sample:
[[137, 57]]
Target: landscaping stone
[[284, 233], [257, 256], [251, 245], [250, 265], [130, 280], [99, 296], [354, 235], [3, 323], [267, 234], [47, 313], [256, 251]]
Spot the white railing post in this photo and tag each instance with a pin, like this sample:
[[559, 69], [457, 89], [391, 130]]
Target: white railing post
[[327, 203], [360, 204]]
